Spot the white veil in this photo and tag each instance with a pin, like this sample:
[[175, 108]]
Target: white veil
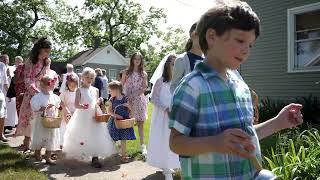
[[159, 70]]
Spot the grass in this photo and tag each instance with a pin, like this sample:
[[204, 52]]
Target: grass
[[14, 166], [133, 147]]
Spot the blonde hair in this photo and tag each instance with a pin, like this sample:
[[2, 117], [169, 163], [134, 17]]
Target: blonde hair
[[18, 57], [88, 70], [69, 66]]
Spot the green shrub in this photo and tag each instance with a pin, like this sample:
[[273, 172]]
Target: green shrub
[[269, 108], [297, 157]]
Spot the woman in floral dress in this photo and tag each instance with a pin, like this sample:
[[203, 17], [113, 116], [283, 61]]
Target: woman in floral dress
[[37, 65], [134, 80], [19, 86]]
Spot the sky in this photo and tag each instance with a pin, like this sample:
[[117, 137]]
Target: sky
[[180, 13]]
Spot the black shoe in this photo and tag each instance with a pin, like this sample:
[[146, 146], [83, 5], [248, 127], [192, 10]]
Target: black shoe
[[95, 163]]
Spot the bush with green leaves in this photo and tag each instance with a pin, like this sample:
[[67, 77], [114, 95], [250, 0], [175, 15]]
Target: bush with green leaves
[[297, 157], [269, 108]]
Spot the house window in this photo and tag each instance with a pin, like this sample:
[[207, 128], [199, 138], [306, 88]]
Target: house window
[[113, 73], [304, 38]]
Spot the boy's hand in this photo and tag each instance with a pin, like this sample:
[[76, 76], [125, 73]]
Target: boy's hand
[[237, 142], [290, 116]]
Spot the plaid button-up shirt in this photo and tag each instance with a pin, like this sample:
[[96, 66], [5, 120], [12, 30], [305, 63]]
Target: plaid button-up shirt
[[204, 104]]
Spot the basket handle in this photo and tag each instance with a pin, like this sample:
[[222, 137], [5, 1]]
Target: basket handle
[[47, 107], [115, 109]]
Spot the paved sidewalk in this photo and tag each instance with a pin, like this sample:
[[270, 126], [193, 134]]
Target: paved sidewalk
[[112, 169]]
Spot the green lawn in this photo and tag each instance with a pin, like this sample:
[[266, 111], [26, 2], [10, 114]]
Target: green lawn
[[14, 166], [133, 147]]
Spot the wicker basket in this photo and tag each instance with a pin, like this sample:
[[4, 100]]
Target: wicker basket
[[101, 117], [123, 123], [51, 121]]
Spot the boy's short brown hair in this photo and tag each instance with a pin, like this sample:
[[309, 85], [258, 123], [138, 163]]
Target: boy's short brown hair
[[227, 15], [115, 85]]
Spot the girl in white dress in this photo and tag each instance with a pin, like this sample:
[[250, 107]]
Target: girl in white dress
[[42, 137], [84, 137], [159, 154], [68, 97]]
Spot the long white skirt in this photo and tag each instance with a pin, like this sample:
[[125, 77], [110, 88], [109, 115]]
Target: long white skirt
[[85, 138], [12, 116], [159, 153], [63, 127], [42, 137]]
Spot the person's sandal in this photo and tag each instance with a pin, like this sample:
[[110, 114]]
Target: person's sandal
[[95, 163]]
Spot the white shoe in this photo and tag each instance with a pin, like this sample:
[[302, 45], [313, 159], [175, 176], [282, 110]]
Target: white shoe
[[144, 150], [167, 174]]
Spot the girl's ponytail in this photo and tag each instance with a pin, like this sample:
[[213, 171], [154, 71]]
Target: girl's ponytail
[[188, 45]]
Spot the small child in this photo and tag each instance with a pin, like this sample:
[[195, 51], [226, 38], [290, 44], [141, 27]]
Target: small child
[[68, 97], [119, 110], [84, 137], [211, 117], [42, 137]]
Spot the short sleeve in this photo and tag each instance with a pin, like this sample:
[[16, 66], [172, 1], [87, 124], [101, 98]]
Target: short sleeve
[[35, 102], [184, 111], [125, 99]]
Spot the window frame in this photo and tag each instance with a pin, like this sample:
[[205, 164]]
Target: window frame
[[116, 72], [291, 28]]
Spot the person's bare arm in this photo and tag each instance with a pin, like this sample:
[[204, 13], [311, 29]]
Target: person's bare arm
[[229, 142], [77, 101], [290, 116]]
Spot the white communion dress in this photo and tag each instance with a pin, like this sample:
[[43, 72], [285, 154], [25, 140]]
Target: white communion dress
[[84, 137], [159, 153]]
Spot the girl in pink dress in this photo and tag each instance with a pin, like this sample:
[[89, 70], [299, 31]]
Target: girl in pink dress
[[134, 80], [37, 65]]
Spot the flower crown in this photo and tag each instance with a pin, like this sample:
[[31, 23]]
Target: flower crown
[[71, 77], [49, 80]]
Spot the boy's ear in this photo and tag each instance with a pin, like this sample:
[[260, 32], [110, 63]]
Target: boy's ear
[[210, 36]]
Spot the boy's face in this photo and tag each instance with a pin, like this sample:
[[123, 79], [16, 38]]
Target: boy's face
[[232, 48]]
